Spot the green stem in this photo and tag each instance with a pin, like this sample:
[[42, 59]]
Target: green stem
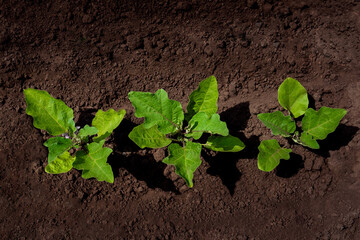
[[175, 140]]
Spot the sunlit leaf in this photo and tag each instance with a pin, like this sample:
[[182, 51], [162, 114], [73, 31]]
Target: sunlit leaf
[[87, 131], [57, 146], [186, 160], [204, 98], [320, 123], [270, 154], [293, 97], [224, 144], [158, 109], [151, 138], [203, 123], [48, 113], [308, 141], [106, 122], [60, 164], [278, 123], [93, 162]]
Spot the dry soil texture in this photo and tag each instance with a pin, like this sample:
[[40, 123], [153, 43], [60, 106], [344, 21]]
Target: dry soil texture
[[91, 54]]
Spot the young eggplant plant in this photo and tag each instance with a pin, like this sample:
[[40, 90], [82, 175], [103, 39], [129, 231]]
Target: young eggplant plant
[[56, 118], [315, 125], [164, 125]]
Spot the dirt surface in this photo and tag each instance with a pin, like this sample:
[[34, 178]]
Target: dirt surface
[[91, 54]]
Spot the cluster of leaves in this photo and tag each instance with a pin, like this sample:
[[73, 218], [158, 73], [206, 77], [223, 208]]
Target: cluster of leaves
[[72, 147], [315, 125], [164, 122]]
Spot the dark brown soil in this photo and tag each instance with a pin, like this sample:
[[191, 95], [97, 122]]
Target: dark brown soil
[[91, 54]]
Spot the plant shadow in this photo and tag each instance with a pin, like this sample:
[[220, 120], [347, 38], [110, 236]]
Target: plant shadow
[[288, 168], [142, 167], [121, 139], [222, 164], [311, 101], [86, 116]]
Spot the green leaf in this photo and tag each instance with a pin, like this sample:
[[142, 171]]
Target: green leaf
[[308, 141], [151, 138], [106, 122], [320, 123], [87, 131], [186, 160], [60, 164], [293, 97], [94, 162], [224, 144], [202, 122], [158, 109], [278, 123], [204, 98], [48, 113], [270, 155], [57, 146]]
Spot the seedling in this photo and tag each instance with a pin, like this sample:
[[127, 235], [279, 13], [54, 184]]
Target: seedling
[[315, 125], [73, 147], [163, 125]]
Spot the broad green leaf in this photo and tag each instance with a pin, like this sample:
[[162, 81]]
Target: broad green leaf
[[270, 155], [106, 122], [48, 113], [202, 122], [61, 164], [151, 138], [186, 160], [158, 109], [308, 141], [278, 123], [87, 131], [320, 123], [204, 98], [224, 144], [94, 162], [57, 146], [293, 97]]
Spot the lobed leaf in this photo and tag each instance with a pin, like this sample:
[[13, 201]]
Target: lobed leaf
[[202, 122], [158, 109], [87, 131], [308, 141], [57, 146], [320, 123], [224, 144], [48, 113], [293, 97], [151, 138], [61, 164], [186, 160], [94, 162], [204, 98], [106, 122], [270, 155], [278, 123]]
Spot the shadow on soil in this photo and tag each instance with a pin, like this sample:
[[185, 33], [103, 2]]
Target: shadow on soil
[[142, 167], [86, 117], [288, 168], [311, 101], [224, 164]]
